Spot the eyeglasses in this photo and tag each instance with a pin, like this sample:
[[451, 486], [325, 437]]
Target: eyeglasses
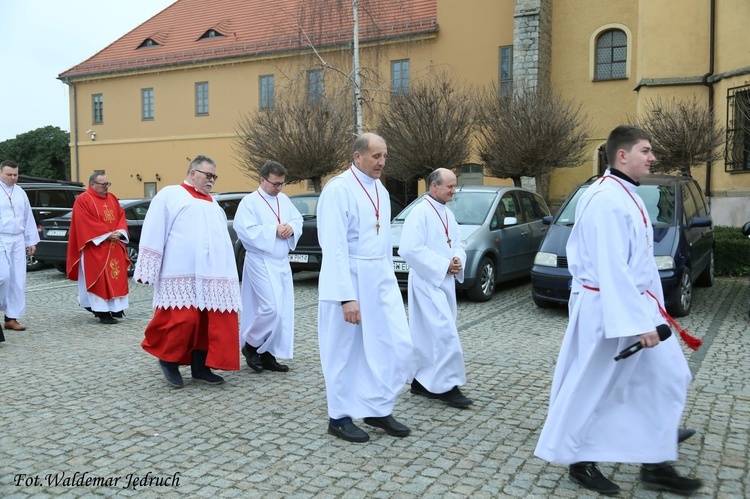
[[103, 184], [209, 176], [275, 184]]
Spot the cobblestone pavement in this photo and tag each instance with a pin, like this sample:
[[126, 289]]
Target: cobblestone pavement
[[82, 400]]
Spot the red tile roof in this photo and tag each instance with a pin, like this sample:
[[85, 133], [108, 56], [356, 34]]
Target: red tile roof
[[252, 27]]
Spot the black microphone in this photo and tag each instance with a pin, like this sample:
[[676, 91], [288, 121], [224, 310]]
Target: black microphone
[[664, 333]]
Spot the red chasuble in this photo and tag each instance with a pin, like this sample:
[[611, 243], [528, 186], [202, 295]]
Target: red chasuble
[[106, 265]]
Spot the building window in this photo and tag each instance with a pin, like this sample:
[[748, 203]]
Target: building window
[[201, 98], [737, 150], [148, 42], [611, 55], [400, 77], [315, 86], [149, 189], [212, 33], [266, 92], [97, 104], [505, 71], [147, 103]]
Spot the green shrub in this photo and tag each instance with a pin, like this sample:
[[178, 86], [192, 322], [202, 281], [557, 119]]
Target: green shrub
[[732, 252]]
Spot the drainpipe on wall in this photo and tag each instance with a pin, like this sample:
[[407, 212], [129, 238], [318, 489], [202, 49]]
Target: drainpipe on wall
[[710, 86], [74, 131]]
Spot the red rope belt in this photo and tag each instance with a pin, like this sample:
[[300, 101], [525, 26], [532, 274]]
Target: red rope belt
[[692, 342]]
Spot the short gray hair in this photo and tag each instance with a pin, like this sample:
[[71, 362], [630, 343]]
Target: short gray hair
[[200, 159], [436, 177]]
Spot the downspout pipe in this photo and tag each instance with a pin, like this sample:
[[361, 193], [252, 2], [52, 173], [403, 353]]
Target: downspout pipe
[[710, 86], [74, 131]]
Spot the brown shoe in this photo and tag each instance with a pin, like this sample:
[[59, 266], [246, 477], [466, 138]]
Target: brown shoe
[[14, 325]]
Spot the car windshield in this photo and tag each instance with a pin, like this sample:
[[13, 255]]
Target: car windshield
[[470, 208], [306, 205], [659, 201]]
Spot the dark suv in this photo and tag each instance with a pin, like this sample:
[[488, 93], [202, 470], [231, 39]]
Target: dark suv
[[49, 200], [683, 242]]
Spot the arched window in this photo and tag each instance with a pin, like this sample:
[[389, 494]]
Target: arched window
[[611, 55]]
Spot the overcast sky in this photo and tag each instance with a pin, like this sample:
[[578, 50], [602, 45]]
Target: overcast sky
[[43, 38]]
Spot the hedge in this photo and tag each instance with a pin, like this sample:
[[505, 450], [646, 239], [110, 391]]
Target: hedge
[[732, 252]]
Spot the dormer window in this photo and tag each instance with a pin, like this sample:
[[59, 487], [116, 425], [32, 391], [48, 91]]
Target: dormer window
[[148, 42], [212, 33]]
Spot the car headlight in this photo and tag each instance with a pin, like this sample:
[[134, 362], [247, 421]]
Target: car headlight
[[664, 262], [545, 259]]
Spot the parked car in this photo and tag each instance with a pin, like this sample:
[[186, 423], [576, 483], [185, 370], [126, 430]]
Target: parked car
[[230, 201], [53, 245], [49, 200], [683, 242], [502, 229], [308, 255]]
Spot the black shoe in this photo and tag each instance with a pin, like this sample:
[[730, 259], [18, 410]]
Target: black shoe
[[455, 398], [390, 425], [252, 358], [664, 477], [684, 433], [349, 432], [118, 315], [200, 371], [106, 318], [418, 389], [172, 373], [587, 474], [270, 364]]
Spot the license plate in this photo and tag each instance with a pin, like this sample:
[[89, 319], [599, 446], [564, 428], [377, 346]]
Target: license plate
[[298, 258], [400, 267], [57, 233]]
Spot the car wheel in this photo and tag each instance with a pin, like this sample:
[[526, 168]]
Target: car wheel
[[133, 255], [541, 303], [707, 276], [484, 286], [681, 308], [32, 263], [60, 267]]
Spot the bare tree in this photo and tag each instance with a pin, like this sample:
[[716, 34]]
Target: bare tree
[[683, 133], [311, 139], [530, 132], [428, 127]]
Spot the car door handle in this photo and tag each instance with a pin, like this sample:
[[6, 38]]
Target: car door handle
[[524, 234], [45, 212]]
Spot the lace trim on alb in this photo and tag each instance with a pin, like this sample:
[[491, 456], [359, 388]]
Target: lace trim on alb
[[209, 293]]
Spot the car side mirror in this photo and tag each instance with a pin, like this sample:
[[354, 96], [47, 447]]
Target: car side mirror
[[507, 221], [547, 220], [700, 222], [746, 229]]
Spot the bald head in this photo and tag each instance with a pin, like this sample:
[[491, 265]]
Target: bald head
[[442, 185], [369, 152]]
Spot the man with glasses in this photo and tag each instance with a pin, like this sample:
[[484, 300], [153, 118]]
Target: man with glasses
[[269, 226], [18, 237], [96, 256], [185, 252]]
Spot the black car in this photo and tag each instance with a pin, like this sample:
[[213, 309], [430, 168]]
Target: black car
[[49, 200], [229, 202], [53, 246], [307, 255], [683, 242]]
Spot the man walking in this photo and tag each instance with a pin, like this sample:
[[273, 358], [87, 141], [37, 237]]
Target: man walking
[[18, 238], [269, 226], [431, 245], [365, 347], [96, 256], [602, 409], [186, 254]]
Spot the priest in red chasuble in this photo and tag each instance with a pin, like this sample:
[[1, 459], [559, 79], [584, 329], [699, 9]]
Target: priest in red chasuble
[[97, 257]]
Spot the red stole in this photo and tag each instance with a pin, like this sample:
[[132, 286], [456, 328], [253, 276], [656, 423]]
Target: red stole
[[106, 265]]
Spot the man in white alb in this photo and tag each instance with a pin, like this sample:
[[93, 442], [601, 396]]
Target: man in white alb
[[431, 245], [18, 237], [269, 226], [602, 409], [365, 347]]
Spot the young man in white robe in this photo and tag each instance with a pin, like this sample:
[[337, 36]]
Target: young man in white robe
[[431, 245], [365, 346], [269, 226], [18, 238], [601, 409]]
